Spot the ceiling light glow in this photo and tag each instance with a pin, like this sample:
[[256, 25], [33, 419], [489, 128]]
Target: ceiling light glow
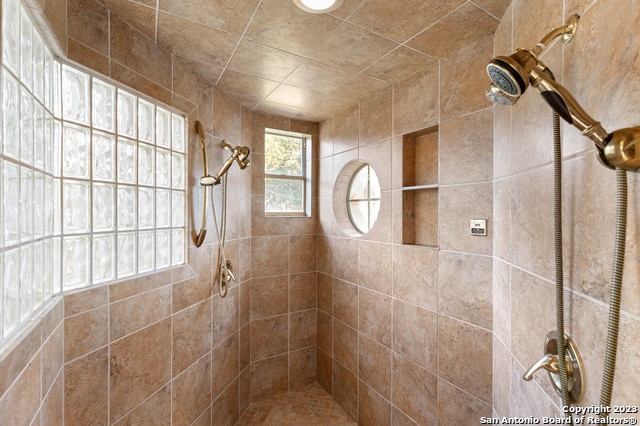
[[318, 6]]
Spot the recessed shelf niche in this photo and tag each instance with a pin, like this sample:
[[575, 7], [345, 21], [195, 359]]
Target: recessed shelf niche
[[420, 187]]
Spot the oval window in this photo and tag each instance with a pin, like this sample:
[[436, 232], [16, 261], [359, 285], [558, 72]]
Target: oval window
[[363, 198]]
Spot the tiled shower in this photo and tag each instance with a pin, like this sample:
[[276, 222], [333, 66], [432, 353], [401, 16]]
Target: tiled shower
[[396, 333]]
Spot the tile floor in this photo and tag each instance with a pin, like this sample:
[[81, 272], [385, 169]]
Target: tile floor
[[310, 405]]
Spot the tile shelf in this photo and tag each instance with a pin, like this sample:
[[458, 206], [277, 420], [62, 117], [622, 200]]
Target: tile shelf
[[420, 188]]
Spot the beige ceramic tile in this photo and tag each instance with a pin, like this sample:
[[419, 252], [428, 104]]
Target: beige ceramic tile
[[88, 57], [269, 337], [374, 366], [86, 397], [345, 346], [303, 253], [372, 408], [345, 259], [225, 320], [225, 408], [375, 266], [415, 335], [302, 367], [302, 329], [502, 302], [269, 256], [215, 14], [345, 389], [415, 276], [324, 370], [52, 359], [415, 391], [376, 118], [191, 335], [89, 24], [269, 376], [22, 400], [324, 332], [501, 378], [157, 406], [191, 392], [53, 403], [458, 29], [141, 16], [302, 292], [269, 296], [14, 361], [140, 364], [85, 333], [225, 364], [415, 101], [458, 407], [374, 311], [85, 300], [134, 313], [345, 302]]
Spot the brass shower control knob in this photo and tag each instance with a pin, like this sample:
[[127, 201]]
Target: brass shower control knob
[[577, 384]]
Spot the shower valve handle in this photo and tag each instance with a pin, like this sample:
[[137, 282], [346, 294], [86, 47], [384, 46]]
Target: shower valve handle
[[549, 362]]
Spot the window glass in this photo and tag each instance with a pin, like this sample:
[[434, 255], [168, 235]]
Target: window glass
[[363, 198]]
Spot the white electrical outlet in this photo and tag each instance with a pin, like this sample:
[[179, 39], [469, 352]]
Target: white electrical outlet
[[478, 227]]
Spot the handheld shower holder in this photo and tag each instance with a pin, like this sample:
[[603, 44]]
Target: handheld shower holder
[[512, 75]]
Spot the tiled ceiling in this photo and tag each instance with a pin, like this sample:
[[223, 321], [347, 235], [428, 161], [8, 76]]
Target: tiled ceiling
[[273, 57]]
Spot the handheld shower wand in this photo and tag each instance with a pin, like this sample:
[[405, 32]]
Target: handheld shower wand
[[511, 76]]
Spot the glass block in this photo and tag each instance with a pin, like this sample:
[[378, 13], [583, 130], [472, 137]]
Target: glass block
[[11, 291], [126, 161], [146, 164], [146, 210], [38, 136], [57, 89], [103, 103], [57, 150], [11, 34], [38, 66], [163, 171], [38, 204], [26, 204], [57, 211], [163, 208], [177, 246], [49, 206], [126, 114], [26, 50], [104, 207], [76, 206], [11, 116], [49, 142], [177, 209], [104, 157], [163, 128], [48, 79], [126, 207], [26, 281], [146, 119], [177, 132], [75, 95], [177, 171], [104, 258], [11, 193], [56, 252], [146, 251], [26, 127], [126, 264], [163, 249], [47, 268], [38, 277], [75, 262], [75, 155]]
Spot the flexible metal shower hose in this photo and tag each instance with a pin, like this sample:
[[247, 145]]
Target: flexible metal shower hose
[[616, 291], [557, 219]]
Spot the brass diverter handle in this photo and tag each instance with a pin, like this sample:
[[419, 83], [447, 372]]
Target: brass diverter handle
[[575, 368]]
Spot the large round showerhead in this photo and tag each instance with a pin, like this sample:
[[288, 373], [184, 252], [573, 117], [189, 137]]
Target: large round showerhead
[[497, 96], [508, 75]]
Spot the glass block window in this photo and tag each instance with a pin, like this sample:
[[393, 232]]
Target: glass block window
[[92, 177], [286, 166]]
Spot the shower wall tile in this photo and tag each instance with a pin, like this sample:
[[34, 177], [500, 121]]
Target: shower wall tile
[[191, 335], [456, 407], [502, 219], [22, 400], [502, 302], [345, 346], [303, 253], [375, 118], [302, 329], [157, 406], [325, 293], [269, 376], [89, 24], [140, 364], [463, 80], [415, 276], [86, 397], [372, 408], [345, 259], [458, 204], [226, 118], [129, 315], [225, 408], [52, 358], [325, 332], [302, 292], [269, 337], [375, 266], [415, 101], [85, 332], [374, 366], [140, 82], [225, 320], [528, 400], [415, 334], [269, 296], [245, 347], [302, 367], [345, 302], [468, 351], [191, 392], [345, 389], [415, 391], [86, 300], [465, 288], [527, 22], [375, 315], [465, 151], [269, 256], [325, 371], [53, 403], [501, 378], [226, 366], [136, 286], [88, 57]]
